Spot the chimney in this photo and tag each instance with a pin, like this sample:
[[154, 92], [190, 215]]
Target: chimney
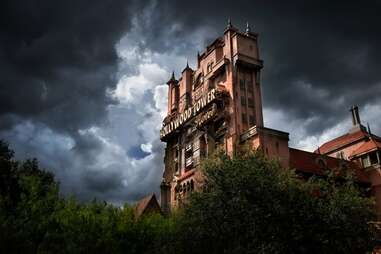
[[355, 115], [357, 126], [198, 59]]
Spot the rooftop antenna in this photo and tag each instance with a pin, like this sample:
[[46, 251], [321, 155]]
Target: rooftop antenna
[[229, 23], [370, 133], [248, 30]]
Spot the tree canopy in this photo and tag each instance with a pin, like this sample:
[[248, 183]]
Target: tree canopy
[[248, 205], [252, 205]]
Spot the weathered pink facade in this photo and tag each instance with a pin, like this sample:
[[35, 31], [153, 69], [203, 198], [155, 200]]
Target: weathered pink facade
[[227, 82], [219, 106]]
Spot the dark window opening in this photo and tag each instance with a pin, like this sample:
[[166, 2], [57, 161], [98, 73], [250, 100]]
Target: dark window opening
[[373, 158], [365, 161], [244, 120], [243, 100], [177, 168], [250, 103], [252, 120], [250, 87], [242, 85]]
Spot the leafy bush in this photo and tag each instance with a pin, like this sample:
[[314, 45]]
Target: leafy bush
[[252, 205], [249, 205]]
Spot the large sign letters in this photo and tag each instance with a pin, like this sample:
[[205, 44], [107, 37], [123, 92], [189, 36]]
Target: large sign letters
[[188, 113]]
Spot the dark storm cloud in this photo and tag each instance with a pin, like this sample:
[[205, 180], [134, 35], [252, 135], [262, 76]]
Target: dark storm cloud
[[102, 181], [58, 58], [331, 46]]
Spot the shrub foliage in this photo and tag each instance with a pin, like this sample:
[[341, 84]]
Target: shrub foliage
[[248, 205]]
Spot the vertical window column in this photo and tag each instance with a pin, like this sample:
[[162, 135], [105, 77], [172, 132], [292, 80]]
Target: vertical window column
[[188, 155]]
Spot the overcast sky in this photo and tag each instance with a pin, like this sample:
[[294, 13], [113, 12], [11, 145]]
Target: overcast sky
[[82, 83]]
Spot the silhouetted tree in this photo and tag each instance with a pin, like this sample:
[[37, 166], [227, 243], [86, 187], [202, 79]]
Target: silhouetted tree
[[28, 198], [252, 205], [248, 205]]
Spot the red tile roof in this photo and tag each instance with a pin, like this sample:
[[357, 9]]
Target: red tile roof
[[372, 144], [308, 162], [342, 141], [146, 205]]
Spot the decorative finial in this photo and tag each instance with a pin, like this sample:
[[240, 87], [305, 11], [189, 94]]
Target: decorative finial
[[247, 28], [173, 75], [187, 64]]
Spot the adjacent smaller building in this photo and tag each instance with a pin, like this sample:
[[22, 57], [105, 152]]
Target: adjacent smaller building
[[362, 149], [147, 205]]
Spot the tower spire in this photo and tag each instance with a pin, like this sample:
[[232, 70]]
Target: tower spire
[[187, 67], [172, 79]]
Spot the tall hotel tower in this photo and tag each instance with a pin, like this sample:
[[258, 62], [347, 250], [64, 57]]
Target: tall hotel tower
[[219, 106], [216, 106]]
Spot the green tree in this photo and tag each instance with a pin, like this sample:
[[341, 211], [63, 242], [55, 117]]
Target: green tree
[[35, 219], [28, 197], [252, 205]]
